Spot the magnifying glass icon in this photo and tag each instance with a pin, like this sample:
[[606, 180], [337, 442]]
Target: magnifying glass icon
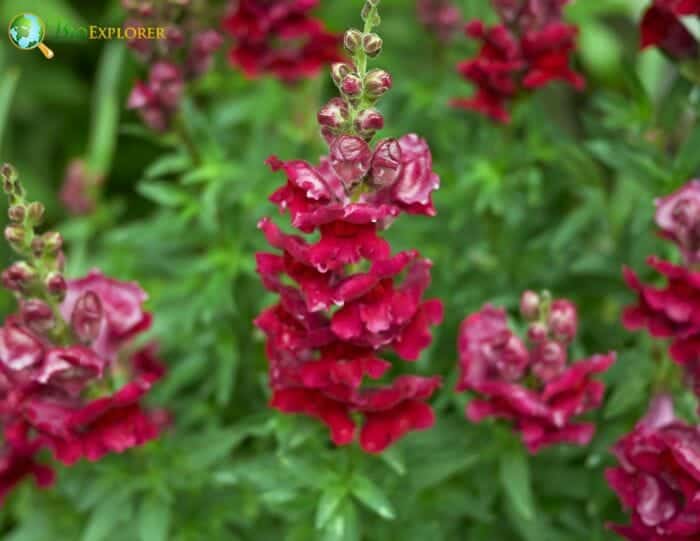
[[27, 31]]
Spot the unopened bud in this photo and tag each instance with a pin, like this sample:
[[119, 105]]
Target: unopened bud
[[16, 213], [35, 211], [537, 332], [53, 241], [386, 163], [9, 177], [352, 40], [87, 317], [350, 158], [18, 276], [549, 360], [351, 85], [339, 70], [56, 285], [563, 320], [372, 44], [14, 235], [37, 246], [37, 315], [334, 114], [377, 83], [530, 305], [369, 121]]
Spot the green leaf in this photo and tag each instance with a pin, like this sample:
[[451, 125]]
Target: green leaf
[[154, 519], [515, 479], [328, 503], [687, 161], [167, 195], [106, 516], [372, 496], [343, 526], [8, 84]]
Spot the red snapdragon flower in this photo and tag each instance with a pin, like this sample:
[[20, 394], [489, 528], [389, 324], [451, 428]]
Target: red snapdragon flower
[[279, 37], [661, 27], [658, 478], [529, 49], [186, 53], [534, 388], [672, 311], [442, 18], [345, 299]]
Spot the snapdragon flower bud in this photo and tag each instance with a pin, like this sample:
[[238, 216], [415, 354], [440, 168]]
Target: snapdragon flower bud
[[537, 332], [377, 83], [338, 72], [35, 212], [372, 44], [530, 305], [53, 241], [352, 40], [14, 235], [351, 85], [368, 122], [56, 285], [334, 114], [563, 320], [18, 276], [16, 213], [386, 163], [350, 158]]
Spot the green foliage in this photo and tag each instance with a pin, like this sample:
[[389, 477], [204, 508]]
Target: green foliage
[[560, 199]]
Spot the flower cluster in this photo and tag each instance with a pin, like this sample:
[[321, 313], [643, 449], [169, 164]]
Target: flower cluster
[[185, 54], [442, 18], [79, 188], [70, 379], [661, 27], [673, 311], [279, 37], [345, 298], [658, 477], [534, 388], [529, 48]]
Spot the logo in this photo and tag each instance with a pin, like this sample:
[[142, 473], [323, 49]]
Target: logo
[[27, 31]]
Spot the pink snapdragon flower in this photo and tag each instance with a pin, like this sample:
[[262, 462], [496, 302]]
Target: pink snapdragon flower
[[673, 311], [658, 478], [535, 388], [345, 300], [71, 379], [530, 48]]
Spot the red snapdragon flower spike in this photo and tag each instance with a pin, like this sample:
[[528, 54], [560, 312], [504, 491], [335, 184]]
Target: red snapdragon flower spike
[[280, 37], [344, 299], [529, 49], [442, 18], [658, 479], [535, 390], [157, 99], [662, 28]]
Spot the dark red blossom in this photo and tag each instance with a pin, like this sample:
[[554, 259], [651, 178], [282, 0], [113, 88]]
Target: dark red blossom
[[158, 99], [534, 389], [530, 48], [661, 27], [18, 461], [279, 37], [658, 477], [442, 18]]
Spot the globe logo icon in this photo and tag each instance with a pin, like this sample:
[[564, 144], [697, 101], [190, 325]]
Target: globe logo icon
[[27, 31]]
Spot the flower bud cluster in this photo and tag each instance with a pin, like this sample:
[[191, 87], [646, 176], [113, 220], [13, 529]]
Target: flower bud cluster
[[186, 53], [534, 386], [58, 354]]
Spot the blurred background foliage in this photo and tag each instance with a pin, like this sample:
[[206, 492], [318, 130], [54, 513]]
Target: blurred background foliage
[[560, 199]]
